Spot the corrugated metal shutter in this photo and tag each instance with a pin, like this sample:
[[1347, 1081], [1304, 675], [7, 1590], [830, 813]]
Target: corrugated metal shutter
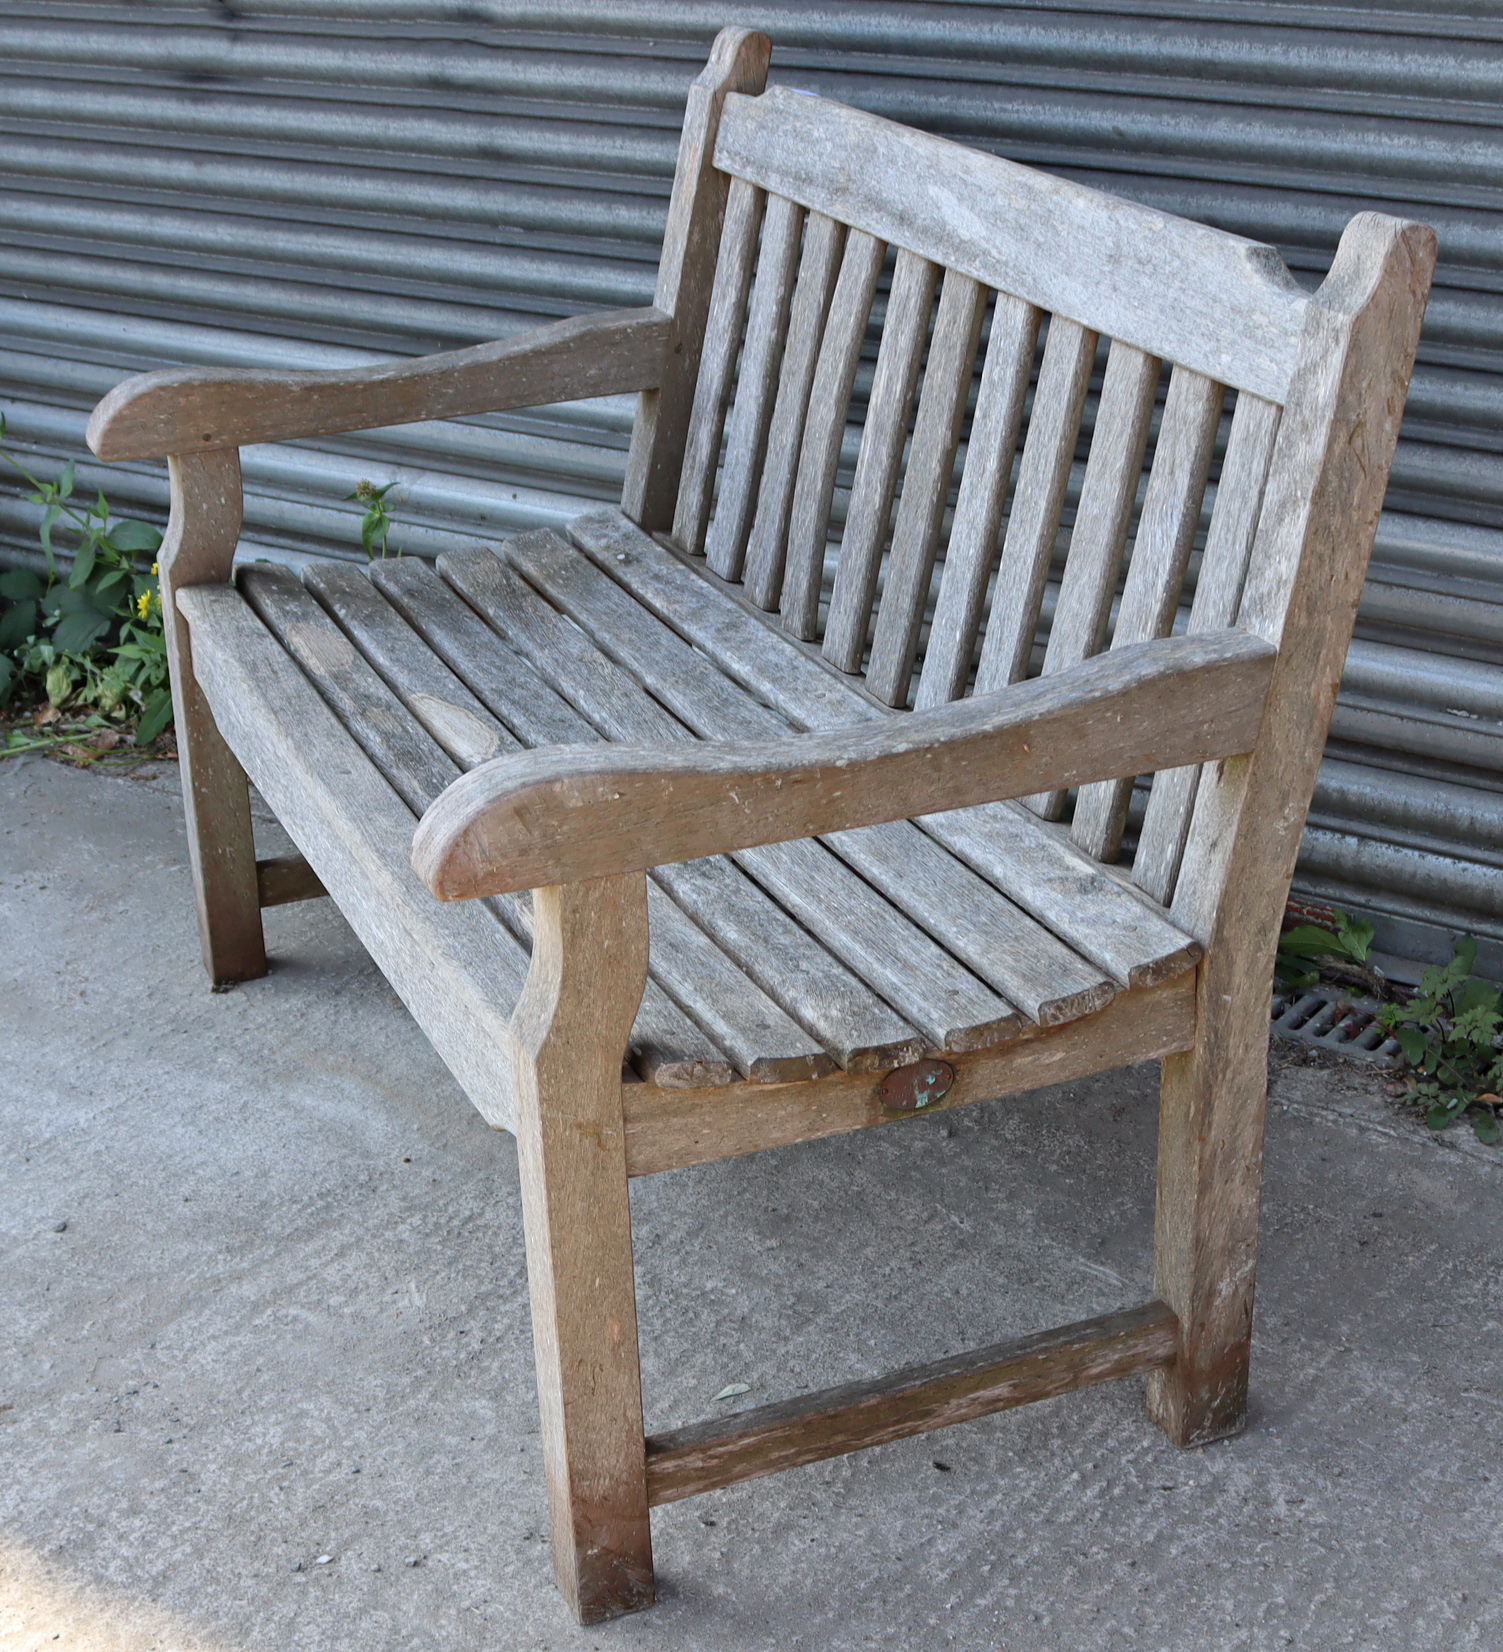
[[323, 183]]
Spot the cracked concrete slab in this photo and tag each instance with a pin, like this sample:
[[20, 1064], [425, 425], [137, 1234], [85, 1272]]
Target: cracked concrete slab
[[267, 1376]]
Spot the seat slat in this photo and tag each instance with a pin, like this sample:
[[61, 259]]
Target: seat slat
[[756, 385], [1156, 572], [824, 431], [824, 241], [717, 362], [814, 975], [968, 918], [984, 483], [1223, 567], [1033, 524], [1103, 918], [766, 1045], [666, 1046], [905, 330], [874, 940], [926, 486], [1099, 537]]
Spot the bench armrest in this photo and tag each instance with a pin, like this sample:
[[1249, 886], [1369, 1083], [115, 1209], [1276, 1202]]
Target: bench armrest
[[568, 813], [187, 410]]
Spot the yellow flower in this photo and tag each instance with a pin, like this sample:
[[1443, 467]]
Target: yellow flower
[[143, 604], [155, 569]]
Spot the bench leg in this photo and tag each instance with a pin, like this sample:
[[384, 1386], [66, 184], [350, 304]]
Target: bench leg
[[569, 1034], [1212, 1109], [199, 549]]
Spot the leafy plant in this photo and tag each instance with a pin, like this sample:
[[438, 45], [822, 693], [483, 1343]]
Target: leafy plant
[[377, 523], [93, 636], [1307, 952], [1449, 1033]]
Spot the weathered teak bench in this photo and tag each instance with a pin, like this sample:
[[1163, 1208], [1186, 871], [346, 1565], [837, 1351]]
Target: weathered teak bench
[[769, 902]]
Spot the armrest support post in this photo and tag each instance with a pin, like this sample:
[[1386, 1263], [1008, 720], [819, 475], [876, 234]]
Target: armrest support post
[[199, 548]]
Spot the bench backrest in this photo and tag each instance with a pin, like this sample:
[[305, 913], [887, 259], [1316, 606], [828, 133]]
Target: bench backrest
[[1031, 281]]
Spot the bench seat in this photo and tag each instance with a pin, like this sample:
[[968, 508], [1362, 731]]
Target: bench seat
[[869, 951]]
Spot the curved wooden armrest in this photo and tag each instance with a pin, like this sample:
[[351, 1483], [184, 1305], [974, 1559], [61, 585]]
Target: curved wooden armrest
[[569, 813], [187, 410]]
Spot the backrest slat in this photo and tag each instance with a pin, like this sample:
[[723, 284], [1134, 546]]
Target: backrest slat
[[926, 485], [824, 429], [1232, 310], [1156, 573], [984, 484], [761, 356], [905, 331], [824, 241], [1218, 590], [1107, 497], [1033, 526], [733, 275]]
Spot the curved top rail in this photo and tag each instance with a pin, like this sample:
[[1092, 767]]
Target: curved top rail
[[1215, 302]]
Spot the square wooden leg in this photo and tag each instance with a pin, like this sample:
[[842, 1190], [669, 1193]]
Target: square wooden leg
[[1212, 1111], [589, 966]]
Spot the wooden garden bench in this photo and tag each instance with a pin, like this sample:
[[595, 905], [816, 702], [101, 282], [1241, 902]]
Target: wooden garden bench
[[769, 901]]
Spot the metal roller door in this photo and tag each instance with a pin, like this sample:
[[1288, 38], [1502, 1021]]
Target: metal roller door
[[305, 184]]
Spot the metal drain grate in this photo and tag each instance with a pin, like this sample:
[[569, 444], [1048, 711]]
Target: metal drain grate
[[1333, 1020]]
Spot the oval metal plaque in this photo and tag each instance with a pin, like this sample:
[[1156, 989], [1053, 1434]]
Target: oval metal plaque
[[921, 1083]]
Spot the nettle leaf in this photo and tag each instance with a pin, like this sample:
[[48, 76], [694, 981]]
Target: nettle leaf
[[1412, 1043], [155, 716], [1306, 941], [77, 632], [17, 623], [1446, 1113], [19, 583], [1486, 1126], [1479, 995], [131, 537], [1355, 935], [83, 562]]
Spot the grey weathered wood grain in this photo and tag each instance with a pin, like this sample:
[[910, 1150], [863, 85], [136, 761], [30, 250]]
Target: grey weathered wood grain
[[455, 967], [905, 330], [738, 1018], [1315, 532], [724, 1450], [824, 241], [756, 386], [717, 362], [972, 550], [1034, 865], [1099, 537], [422, 739], [984, 932], [926, 486], [876, 942], [1033, 523], [568, 1035], [198, 549], [1156, 572], [191, 410], [1212, 301], [686, 275], [859, 1030], [824, 431], [1223, 567]]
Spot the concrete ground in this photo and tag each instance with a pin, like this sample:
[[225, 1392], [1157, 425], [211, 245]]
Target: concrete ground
[[267, 1378]]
